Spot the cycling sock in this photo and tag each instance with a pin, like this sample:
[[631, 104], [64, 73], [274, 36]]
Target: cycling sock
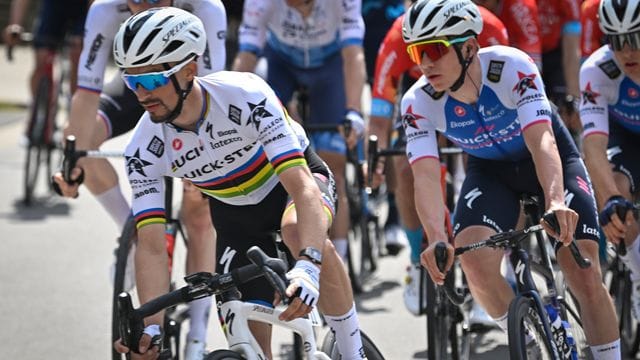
[[392, 216], [502, 321], [341, 247], [347, 331], [632, 259], [198, 319], [610, 351], [415, 242], [116, 205]]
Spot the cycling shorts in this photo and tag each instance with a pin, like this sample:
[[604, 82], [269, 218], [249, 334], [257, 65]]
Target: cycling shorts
[[623, 153], [240, 227], [119, 107], [56, 19], [491, 192], [325, 89]]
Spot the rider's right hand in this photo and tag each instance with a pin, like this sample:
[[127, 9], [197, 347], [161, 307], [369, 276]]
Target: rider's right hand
[[145, 351], [613, 226], [11, 34], [66, 189], [428, 260]]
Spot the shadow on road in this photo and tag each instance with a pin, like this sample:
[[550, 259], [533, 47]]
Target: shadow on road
[[40, 208]]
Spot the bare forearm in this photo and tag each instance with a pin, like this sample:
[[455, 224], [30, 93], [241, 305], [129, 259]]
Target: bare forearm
[[152, 276], [599, 170], [428, 198], [18, 9], [380, 127], [571, 63], [355, 74], [549, 169], [312, 222], [245, 62], [82, 117]]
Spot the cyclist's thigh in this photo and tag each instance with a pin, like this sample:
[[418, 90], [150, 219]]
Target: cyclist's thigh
[[56, 19], [486, 199], [279, 76], [579, 197], [119, 108], [240, 227], [623, 150], [327, 99]]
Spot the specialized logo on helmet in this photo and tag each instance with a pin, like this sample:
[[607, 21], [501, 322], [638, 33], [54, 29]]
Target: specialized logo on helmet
[[525, 82], [176, 29], [258, 112], [588, 95], [136, 163], [409, 118], [452, 10]]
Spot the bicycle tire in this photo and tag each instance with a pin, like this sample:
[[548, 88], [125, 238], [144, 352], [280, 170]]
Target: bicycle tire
[[330, 347], [620, 291], [125, 242], [523, 319], [570, 311], [223, 355], [36, 137], [438, 326]]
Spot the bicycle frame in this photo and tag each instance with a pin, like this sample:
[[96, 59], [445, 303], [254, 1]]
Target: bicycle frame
[[236, 315]]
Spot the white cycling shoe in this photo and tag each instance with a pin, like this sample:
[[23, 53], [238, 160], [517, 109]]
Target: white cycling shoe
[[411, 294], [194, 350], [130, 270], [395, 239], [479, 319]]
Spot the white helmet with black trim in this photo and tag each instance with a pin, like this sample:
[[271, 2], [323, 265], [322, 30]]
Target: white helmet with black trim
[[619, 16], [427, 19], [158, 36]]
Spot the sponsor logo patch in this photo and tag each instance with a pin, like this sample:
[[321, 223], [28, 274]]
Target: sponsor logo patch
[[156, 146], [494, 74]]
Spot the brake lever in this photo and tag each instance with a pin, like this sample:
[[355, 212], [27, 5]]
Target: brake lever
[[551, 219]]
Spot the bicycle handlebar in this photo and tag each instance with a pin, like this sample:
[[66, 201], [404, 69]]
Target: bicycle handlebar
[[199, 285], [71, 156], [511, 238], [622, 215], [455, 296]]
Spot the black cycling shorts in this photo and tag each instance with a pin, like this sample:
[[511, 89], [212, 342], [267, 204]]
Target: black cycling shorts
[[56, 19], [623, 151], [119, 107], [491, 192], [240, 227]]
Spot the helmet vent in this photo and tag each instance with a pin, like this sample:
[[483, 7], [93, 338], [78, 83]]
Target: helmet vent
[[619, 8], [172, 47], [453, 21], [143, 61], [148, 40], [164, 20]]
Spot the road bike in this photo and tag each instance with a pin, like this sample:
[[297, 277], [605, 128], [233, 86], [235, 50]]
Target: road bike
[[242, 344], [176, 244], [530, 330], [42, 123]]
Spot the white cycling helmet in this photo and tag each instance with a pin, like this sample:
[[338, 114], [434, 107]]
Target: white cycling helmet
[[428, 19], [618, 17], [159, 36]]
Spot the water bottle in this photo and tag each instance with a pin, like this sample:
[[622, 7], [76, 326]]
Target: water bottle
[[570, 340], [559, 332]]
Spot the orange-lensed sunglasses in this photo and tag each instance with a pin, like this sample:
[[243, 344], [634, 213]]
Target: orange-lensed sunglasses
[[434, 49]]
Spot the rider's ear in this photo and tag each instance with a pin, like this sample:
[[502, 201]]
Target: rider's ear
[[191, 70]]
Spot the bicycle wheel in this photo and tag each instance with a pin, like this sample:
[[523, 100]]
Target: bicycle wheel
[[570, 311], [330, 347], [36, 138], [223, 355], [438, 325], [527, 338], [619, 285], [125, 241]]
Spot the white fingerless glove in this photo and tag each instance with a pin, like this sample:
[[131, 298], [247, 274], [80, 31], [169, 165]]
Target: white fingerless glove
[[357, 122], [307, 276]]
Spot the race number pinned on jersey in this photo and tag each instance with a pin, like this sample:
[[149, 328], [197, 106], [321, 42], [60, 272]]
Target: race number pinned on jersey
[[610, 68], [494, 74]]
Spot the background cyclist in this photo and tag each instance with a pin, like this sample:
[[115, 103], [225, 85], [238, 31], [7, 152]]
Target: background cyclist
[[316, 44], [609, 82], [491, 103], [251, 160], [102, 112]]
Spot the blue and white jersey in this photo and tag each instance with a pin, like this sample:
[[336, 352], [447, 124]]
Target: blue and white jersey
[[607, 94], [304, 42], [511, 99]]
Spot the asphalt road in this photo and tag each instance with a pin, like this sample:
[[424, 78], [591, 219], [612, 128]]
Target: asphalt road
[[54, 285]]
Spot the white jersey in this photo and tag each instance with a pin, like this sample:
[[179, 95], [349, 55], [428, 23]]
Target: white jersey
[[305, 43], [511, 98], [607, 94], [104, 19], [243, 141]]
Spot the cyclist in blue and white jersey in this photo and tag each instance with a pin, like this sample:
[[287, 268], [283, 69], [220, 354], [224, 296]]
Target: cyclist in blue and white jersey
[[491, 103], [101, 110], [609, 111], [229, 134], [316, 44]]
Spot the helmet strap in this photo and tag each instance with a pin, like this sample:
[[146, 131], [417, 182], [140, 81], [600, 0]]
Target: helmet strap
[[182, 95], [463, 72]]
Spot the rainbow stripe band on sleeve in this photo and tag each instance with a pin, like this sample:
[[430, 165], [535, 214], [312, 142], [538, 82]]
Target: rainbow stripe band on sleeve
[[288, 159], [150, 216]]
